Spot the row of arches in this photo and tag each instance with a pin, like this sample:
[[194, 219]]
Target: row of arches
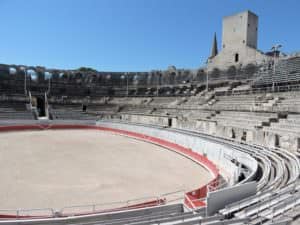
[[171, 76]]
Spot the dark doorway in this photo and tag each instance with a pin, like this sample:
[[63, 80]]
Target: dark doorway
[[232, 134], [236, 57], [170, 122], [41, 106], [277, 142], [84, 108], [244, 136]]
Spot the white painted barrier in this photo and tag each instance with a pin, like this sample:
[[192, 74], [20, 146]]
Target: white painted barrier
[[222, 155]]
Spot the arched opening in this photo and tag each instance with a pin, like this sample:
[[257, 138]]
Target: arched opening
[[40, 106]]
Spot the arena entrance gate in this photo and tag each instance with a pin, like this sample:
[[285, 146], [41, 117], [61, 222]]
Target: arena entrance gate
[[39, 103]]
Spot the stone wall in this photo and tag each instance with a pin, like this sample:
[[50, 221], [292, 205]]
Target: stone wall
[[145, 119]]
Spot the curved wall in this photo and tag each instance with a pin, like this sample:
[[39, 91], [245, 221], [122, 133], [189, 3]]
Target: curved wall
[[205, 152], [222, 155]]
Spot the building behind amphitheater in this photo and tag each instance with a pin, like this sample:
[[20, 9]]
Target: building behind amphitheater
[[239, 43]]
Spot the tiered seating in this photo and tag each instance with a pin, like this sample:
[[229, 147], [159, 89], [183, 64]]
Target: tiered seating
[[222, 89], [198, 114], [288, 102], [245, 120], [164, 101], [102, 109], [136, 110], [69, 112], [128, 101], [163, 112], [290, 125], [144, 216], [195, 101], [287, 71], [238, 102], [286, 133], [241, 88], [15, 111], [164, 214]]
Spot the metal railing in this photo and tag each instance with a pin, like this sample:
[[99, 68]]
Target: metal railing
[[77, 210]]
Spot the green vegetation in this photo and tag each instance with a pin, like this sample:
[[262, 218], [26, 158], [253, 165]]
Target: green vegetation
[[87, 69]]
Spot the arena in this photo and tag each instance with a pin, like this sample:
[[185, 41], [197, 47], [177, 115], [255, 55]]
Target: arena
[[112, 168], [216, 145]]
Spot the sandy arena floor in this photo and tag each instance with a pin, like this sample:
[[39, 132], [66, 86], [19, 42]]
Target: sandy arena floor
[[40, 169]]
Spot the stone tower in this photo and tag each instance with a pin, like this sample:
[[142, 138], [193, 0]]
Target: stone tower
[[240, 29], [239, 43]]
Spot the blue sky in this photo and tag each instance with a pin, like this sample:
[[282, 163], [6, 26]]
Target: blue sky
[[132, 35]]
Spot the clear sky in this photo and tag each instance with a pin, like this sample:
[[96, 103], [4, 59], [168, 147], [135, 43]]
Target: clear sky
[[132, 35]]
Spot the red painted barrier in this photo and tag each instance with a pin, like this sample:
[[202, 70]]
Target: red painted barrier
[[193, 196]]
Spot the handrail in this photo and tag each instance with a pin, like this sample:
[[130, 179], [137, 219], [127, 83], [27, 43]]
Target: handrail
[[121, 205]]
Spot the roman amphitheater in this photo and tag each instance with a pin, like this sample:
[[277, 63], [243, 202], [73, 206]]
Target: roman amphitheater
[[217, 145]]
